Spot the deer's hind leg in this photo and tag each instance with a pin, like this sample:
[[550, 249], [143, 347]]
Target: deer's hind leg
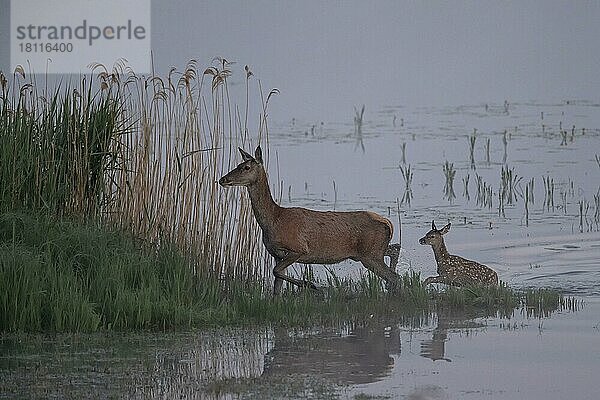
[[379, 267]]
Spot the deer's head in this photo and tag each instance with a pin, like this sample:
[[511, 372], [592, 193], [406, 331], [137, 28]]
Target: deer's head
[[434, 235], [247, 173]]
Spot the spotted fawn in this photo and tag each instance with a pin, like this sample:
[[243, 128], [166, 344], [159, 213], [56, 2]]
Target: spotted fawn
[[455, 270]]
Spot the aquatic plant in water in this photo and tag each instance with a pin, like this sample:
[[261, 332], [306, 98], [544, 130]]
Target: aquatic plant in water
[[529, 198], [597, 206], [472, 140], [465, 181], [407, 175], [358, 125], [449, 173], [508, 185], [548, 192], [484, 192]]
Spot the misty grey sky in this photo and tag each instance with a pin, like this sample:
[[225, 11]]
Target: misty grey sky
[[335, 54], [327, 56]]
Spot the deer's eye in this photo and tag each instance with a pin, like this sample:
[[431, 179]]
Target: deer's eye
[[247, 167]]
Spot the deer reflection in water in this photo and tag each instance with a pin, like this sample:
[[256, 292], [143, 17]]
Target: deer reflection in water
[[435, 348], [362, 355], [353, 354]]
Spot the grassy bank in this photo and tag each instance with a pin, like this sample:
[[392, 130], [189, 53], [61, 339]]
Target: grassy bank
[[68, 276], [61, 275], [111, 217]]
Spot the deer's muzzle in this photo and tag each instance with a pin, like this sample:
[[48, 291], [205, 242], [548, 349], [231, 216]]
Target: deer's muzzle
[[224, 181]]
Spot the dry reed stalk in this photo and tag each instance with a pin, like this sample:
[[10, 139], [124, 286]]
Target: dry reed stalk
[[182, 142]]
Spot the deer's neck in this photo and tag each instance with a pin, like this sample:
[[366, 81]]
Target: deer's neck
[[263, 205], [440, 251]]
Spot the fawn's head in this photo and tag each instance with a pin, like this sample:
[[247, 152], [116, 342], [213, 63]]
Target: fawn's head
[[247, 173], [434, 236]]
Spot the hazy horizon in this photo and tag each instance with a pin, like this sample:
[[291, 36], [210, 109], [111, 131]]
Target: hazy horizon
[[326, 57]]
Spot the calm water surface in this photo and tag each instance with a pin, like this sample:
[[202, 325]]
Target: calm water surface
[[553, 242], [427, 357]]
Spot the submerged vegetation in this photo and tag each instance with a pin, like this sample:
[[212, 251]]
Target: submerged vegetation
[[111, 217]]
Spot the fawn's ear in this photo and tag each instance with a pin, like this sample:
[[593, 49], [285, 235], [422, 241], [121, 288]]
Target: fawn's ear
[[245, 156], [445, 229], [258, 155], [433, 225]]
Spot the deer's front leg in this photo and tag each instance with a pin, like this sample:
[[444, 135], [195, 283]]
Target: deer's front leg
[[435, 279], [280, 266], [278, 281], [451, 279]]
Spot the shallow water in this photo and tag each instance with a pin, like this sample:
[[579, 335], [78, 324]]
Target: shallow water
[[447, 356], [422, 357], [556, 244]]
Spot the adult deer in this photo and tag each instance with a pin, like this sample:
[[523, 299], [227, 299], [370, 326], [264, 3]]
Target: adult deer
[[313, 237], [455, 270]]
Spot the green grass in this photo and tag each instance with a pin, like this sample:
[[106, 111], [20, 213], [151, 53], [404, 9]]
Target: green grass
[[62, 275], [56, 148], [65, 276]]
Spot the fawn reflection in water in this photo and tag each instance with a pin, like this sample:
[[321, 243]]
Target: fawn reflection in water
[[435, 348]]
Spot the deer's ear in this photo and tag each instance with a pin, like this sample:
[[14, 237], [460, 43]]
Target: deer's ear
[[258, 155], [245, 156], [433, 225], [445, 229]]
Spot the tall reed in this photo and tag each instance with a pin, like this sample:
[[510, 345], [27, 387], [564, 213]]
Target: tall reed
[[529, 198], [484, 192], [597, 206], [465, 181], [508, 185], [57, 147], [143, 154], [358, 125]]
